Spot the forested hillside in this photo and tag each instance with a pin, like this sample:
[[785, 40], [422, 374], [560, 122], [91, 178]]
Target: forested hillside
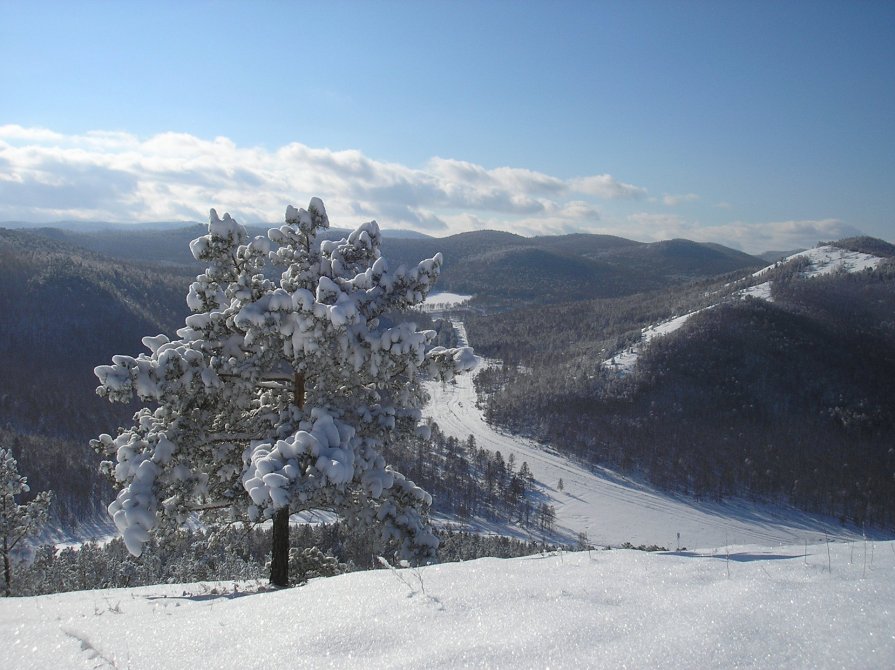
[[504, 270], [785, 399], [789, 398], [168, 247], [68, 309], [65, 310]]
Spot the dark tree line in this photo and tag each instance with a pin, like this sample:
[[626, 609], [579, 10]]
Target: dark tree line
[[232, 553]]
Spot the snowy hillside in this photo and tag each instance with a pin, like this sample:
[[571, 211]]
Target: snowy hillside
[[612, 508], [790, 607], [822, 260], [827, 259]]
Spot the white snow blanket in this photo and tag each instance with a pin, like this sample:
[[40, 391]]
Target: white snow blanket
[[741, 607]]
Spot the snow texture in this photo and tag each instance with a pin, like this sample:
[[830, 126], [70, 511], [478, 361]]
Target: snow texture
[[815, 606], [760, 291], [624, 361]]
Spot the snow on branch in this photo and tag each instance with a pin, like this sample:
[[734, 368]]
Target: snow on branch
[[222, 429]]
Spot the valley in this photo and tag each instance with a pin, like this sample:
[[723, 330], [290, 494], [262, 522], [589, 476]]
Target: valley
[[611, 508], [609, 495]]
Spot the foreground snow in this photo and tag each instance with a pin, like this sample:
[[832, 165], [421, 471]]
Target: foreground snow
[[743, 607]]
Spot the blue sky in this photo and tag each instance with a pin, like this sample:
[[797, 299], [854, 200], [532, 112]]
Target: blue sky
[[757, 125]]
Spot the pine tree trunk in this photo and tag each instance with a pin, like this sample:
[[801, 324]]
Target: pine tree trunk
[[279, 562], [7, 572], [279, 558]]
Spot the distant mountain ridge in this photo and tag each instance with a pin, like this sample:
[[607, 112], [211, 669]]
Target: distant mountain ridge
[[487, 264], [77, 226], [505, 269]]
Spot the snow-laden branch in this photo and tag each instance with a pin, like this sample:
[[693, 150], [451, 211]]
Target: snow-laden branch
[[228, 423]]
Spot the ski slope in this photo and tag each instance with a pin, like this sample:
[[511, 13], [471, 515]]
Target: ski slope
[[612, 508]]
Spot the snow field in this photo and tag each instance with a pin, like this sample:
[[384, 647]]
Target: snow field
[[444, 300], [792, 607]]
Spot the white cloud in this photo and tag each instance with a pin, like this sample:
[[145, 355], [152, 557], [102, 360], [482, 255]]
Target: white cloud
[[657, 226], [571, 217], [672, 200], [16, 132], [777, 235], [116, 176], [119, 176], [517, 180], [607, 186]]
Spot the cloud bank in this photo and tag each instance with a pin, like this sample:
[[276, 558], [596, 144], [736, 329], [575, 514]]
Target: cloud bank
[[48, 176], [748, 236], [117, 176]]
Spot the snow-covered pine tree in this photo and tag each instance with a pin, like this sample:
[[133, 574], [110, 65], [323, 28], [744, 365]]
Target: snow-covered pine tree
[[17, 520], [278, 394]]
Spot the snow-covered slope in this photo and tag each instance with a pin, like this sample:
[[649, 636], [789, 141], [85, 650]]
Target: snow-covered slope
[[624, 361], [822, 260], [791, 607], [827, 259], [611, 508]]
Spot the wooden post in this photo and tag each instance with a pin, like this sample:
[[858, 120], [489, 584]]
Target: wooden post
[[279, 550]]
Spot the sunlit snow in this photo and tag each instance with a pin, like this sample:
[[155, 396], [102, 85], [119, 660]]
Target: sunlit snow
[[827, 259], [761, 291], [625, 360], [739, 607]]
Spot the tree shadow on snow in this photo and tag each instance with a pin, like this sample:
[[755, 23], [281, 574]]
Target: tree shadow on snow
[[738, 556], [220, 593]]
